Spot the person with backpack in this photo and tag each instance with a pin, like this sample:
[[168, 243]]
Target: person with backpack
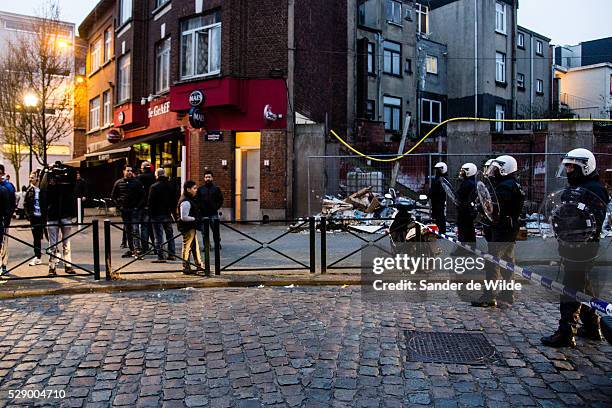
[[510, 199], [188, 224]]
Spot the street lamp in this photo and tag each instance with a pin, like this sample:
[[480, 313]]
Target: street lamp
[[30, 100]]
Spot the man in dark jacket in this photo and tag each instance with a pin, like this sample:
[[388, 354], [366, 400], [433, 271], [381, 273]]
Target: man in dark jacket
[[7, 216], [147, 179], [438, 197], [162, 203], [510, 200], [465, 197], [58, 206], [210, 200], [129, 195], [4, 208], [577, 258]]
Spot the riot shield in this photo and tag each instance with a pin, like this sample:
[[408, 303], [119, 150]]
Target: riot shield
[[487, 198], [450, 191]]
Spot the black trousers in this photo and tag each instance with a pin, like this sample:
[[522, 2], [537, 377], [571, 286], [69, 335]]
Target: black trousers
[[38, 227], [439, 218]]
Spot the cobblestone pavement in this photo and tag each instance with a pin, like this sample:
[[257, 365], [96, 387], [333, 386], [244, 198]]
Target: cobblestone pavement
[[282, 347]]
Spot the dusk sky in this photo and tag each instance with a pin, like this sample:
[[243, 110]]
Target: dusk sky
[[565, 21]]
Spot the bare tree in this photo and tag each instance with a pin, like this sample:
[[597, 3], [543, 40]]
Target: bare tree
[[44, 57]]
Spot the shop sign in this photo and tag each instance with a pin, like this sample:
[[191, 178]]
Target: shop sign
[[113, 136], [197, 118], [196, 98], [215, 136], [159, 109]]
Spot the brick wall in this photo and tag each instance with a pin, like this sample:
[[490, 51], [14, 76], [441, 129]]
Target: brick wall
[[273, 179]]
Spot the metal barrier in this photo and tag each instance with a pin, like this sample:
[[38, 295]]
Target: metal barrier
[[51, 251], [266, 244], [113, 273]]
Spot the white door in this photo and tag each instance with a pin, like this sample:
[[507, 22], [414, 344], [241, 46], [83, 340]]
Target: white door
[[250, 206]]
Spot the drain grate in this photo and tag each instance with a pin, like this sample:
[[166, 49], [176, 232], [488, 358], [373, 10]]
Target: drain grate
[[454, 348]]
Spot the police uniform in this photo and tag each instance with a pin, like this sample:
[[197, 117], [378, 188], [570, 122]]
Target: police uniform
[[438, 203], [465, 213]]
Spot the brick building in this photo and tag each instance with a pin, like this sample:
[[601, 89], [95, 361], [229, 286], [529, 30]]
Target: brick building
[[216, 85]]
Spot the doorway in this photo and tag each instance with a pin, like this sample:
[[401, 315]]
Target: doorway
[[247, 200]]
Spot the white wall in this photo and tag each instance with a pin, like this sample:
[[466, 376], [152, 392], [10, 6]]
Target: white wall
[[589, 91]]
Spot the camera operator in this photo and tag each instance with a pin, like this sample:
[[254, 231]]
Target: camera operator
[[59, 208]]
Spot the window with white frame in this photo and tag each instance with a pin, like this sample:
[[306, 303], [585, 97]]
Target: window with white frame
[[106, 108], [431, 64], [422, 15], [520, 40], [392, 113], [392, 58], [539, 86], [123, 84], [95, 55], [162, 66], [371, 58], [539, 47], [520, 80], [108, 38], [94, 113], [125, 11], [431, 112], [394, 11], [500, 17], [201, 46], [500, 113], [500, 67]]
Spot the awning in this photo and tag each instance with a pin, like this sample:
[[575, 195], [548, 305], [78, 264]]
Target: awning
[[124, 146], [76, 162]]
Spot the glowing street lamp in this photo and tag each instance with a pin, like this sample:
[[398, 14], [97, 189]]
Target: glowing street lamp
[[30, 100]]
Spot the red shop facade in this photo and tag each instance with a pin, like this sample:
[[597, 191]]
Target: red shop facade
[[238, 130]]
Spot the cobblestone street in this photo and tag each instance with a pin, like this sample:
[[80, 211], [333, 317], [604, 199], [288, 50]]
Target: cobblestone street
[[282, 347]]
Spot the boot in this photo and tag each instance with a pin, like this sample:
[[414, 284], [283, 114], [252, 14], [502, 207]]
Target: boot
[[187, 269], [485, 301], [52, 271], [560, 338], [590, 328], [590, 333], [69, 270]]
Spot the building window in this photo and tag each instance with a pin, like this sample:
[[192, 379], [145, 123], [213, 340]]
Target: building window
[[431, 64], [520, 40], [201, 46], [162, 66], [408, 66], [124, 79], [422, 14], [499, 114], [539, 48], [371, 58], [520, 81], [500, 17], [371, 109], [431, 112], [96, 49], [106, 108], [159, 3], [392, 57], [125, 11], [540, 86], [500, 67], [393, 113], [394, 11], [94, 113], [108, 38]]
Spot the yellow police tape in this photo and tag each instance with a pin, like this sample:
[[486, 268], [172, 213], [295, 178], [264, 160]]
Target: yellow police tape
[[417, 144]]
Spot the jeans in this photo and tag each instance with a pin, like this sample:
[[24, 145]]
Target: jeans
[[214, 226], [36, 223], [131, 218], [146, 230], [163, 224], [54, 227]]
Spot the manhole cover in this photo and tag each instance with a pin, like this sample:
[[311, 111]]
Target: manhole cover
[[454, 348]]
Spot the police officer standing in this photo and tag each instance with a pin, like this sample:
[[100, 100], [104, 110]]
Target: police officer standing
[[465, 211], [438, 196], [510, 199], [580, 169]]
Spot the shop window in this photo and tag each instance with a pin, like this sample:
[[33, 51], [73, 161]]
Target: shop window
[[201, 46], [162, 66]]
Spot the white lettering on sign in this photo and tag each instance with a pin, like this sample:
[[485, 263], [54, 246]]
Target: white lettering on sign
[[159, 109]]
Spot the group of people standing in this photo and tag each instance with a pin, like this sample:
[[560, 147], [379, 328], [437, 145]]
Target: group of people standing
[[149, 204], [579, 167]]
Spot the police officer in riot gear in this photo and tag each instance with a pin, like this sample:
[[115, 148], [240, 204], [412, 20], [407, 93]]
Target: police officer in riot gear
[[438, 197], [510, 199], [577, 259], [465, 209]]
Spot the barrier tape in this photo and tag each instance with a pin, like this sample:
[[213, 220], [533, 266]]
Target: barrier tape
[[597, 304]]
